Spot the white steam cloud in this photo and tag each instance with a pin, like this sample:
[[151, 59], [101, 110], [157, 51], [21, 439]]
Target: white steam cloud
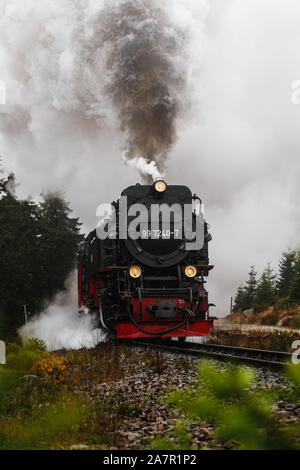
[[59, 325], [143, 166], [238, 144]]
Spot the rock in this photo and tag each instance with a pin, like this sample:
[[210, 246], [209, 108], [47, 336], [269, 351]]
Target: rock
[[135, 426], [285, 320], [208, 434], [132, 436], [289, 407], [284, 414], [141, 386], [79, 447], [248, 313], [229, 445]]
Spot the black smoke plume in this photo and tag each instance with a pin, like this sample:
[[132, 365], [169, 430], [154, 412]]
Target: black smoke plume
[[146, 80]]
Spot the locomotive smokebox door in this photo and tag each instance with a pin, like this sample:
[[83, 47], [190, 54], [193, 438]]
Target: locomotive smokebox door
[[164, 309]]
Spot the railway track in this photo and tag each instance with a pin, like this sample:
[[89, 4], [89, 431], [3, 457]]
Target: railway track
[[251, 356]]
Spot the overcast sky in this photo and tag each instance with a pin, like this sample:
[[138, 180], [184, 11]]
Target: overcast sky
[[238, 144]]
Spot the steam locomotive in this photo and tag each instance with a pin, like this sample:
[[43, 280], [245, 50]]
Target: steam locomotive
[[145, 275]]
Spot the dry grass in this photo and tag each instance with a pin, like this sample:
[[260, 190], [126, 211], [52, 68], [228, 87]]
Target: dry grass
[[88, 367], [42, 412], [156, 361], [289, 317], [273, 340]]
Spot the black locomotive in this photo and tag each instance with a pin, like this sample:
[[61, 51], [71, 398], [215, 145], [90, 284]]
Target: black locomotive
[[144, 268]]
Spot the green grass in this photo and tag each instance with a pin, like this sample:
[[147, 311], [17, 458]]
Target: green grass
[[228, 398], [39, 414]]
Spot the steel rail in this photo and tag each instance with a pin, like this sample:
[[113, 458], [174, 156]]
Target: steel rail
[[248, 355]]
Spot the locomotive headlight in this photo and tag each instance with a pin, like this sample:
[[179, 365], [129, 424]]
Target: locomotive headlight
[[135, 272], [160, 186], [190, 271]]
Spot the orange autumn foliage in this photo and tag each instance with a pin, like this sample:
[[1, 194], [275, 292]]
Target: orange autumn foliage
[[51, 369]]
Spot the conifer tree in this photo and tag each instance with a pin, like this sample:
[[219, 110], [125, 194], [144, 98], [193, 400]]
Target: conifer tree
[[58, 242], [250, 288], [294, 290], [38, 249], [266, 289], [245, 295], [17, 243], [286, 274], [240, 300]]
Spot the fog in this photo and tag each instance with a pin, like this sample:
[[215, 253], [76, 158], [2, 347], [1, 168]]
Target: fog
[[237, 131]]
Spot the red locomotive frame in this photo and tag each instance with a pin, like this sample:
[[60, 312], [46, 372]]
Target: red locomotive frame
[[141, 316]]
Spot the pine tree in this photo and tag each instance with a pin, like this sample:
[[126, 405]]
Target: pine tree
[[240, 300], [286, 274], [294, 290], [245, 295], [58, 242], [266, 289], [17, 248], [38, 248], [250, 288]]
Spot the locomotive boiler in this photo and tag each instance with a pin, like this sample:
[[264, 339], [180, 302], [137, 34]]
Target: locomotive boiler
[[143, 270]]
